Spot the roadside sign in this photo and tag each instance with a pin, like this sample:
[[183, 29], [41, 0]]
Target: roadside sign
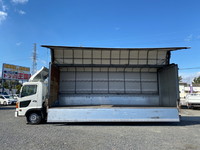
[[14, 72]]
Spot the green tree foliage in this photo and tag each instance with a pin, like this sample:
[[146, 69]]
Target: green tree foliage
[[18, 87], [6, 85], [180, 78], [196, 80], [12, 84]]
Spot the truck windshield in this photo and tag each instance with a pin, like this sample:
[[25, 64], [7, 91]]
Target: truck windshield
[[28, 90]]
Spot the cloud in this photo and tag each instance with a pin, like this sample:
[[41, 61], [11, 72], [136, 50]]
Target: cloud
[[3, 16], [3, 6], [189, 38], [18, 43], [21, 12], [19, 1]]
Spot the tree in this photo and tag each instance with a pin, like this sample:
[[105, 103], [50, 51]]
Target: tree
[[12, 84], [180, 78], [6, 85], [18, 87], [196, 80]]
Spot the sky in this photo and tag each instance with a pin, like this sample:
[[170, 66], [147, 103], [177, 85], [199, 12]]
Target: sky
[[100, 23]]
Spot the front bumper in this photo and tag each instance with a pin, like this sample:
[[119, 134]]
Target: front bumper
[[16, 114], [20, 112]]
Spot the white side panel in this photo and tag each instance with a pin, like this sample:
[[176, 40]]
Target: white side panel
[[193, 98], [113, 115]]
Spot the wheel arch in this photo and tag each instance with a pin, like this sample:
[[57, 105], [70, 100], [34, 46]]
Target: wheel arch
[[39, 110]]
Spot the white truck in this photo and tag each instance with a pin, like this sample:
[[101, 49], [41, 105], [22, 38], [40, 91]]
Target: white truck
[[193, 100], [88, 84]]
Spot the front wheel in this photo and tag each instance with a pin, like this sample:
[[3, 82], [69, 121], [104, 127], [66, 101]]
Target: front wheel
[[34, 118]]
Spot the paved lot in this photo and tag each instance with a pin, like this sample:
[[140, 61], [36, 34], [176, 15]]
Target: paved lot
[[16, 134]]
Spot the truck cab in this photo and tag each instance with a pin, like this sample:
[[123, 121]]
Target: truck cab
[[32, 98]]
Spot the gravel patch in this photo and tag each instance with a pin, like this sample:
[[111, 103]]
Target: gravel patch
[[16, 134]]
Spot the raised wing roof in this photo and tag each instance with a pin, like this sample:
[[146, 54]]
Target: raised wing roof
[[96, 56], [104, 48]]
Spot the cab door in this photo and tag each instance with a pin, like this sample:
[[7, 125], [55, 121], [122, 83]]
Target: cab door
[[29, 96]]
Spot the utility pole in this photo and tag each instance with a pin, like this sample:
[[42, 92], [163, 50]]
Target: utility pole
[[2, 80], [34, 59]]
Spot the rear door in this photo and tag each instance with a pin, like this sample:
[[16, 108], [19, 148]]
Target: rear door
[[168, 86]]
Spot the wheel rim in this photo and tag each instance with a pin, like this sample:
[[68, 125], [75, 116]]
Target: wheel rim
[[33, 118]]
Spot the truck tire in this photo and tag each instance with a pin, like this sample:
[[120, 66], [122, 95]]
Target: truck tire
[[34, 118]]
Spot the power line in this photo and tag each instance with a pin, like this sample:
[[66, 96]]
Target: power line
[[193, 68]]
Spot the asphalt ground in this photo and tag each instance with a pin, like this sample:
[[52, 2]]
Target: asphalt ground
[[15, 134]]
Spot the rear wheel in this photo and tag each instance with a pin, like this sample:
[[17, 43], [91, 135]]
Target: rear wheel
[[34, 118]]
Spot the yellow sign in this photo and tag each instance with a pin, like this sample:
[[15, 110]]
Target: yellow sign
[[16, 68]]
